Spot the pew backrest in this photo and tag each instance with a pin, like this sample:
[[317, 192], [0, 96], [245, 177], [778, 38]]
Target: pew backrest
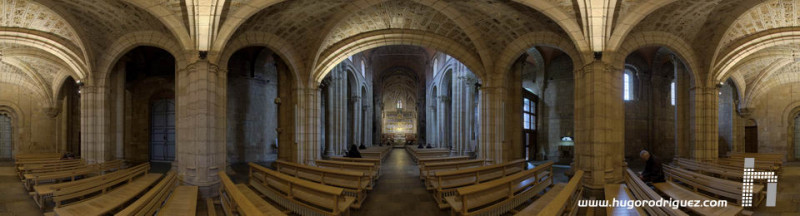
[[317, 197]]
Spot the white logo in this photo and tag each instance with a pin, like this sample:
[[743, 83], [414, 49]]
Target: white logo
[[747, 181]]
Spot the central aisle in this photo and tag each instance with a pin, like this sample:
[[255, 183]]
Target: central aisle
[[399, 190]]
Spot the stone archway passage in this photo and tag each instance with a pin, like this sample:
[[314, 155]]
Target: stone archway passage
[[5, 137], [399, 191]]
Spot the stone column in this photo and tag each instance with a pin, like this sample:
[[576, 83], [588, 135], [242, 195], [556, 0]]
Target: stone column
[[307, 135], [492, 127], [705, 134], [599, 125], [201, 126], [96, 145], [682, 110]]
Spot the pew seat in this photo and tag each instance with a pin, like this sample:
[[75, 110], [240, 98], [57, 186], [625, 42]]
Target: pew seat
[[678, 192], [111, 200], [621, 193], [258, 202]]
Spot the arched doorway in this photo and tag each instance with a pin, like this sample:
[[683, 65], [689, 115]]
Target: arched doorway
[[162, 127], [751, 136], [796, 137], [6, 131]]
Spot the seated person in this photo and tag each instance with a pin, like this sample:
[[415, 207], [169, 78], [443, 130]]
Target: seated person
[[653, 171], [353, 153]]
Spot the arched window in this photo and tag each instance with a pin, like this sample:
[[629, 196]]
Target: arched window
[[363, 69], [435, 66], [627, 92], [399, 104], [672, 93]]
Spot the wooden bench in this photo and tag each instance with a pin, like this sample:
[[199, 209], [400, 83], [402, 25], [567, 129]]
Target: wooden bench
[[500, 196], [37, 156], [678, 192], [716, 186], [354, 183], [298, 195], [621, 194], [240, 200], [442, 159], [376, 152], [711, 169], [376, 162], [775, 158], [368, 168], [641, 191], [445, 183], [761, 166], [109, 194], [48, 166], [427, 168], [33, 179], [560, 198], [176, 200], [41, 193]]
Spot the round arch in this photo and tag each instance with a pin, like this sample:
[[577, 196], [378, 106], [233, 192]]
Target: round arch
[[17, 120], [791, 111], [260, 39], [130, 41], [549, 39], [354, 45], [723, 62], [678, 46]]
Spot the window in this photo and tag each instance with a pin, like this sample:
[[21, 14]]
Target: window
[[363, 69], [350, 58], [528, 114], [399, 104], [435, 66], [672, 93], [627, 85]]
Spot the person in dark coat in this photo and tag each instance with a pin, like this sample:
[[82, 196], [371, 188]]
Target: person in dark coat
[[353, 153], [653, 171]]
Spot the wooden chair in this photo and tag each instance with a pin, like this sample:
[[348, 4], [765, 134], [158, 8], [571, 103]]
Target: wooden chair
[[102, 197], [641, 191], [298, 195], [559, 199], [240, 200], [445, 183], [500, 196], [354, 183]]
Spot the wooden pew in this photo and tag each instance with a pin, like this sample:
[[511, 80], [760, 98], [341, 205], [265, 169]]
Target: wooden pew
[[34, 179], [151, 201], [48, 166], [761, 166], [240, 200], [109, 194], [423, 161], [376, 152], [354, 183], [775, 158], [427, 168], [445, 183], [558, 199], [41, 193], [720, 187], [182, 201], [37, 156], [367, 168], [298, 195], [641, 191], [500, 196], [376, 162], [711, 169], [621, 193], [679, 192]]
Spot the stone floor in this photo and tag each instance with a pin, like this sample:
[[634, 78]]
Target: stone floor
[[788, 202], [14, 199], [399, 192]]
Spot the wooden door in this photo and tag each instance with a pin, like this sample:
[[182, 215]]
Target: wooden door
[[162, 135]]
